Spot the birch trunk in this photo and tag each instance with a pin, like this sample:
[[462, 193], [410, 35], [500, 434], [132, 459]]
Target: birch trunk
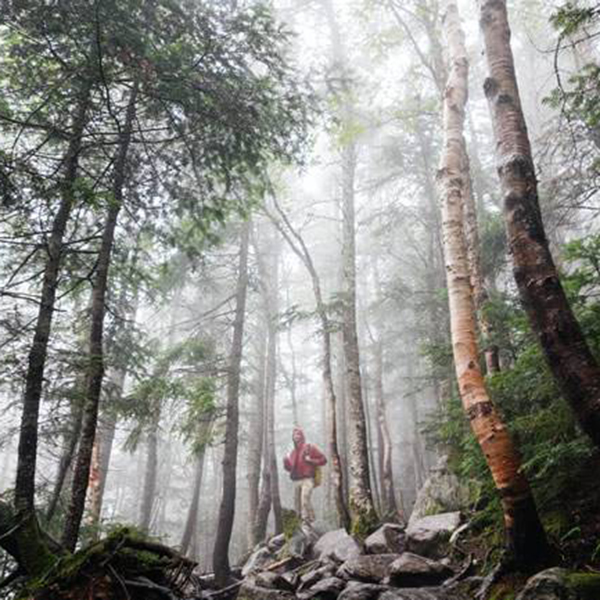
[[525, 537], [574, 368]]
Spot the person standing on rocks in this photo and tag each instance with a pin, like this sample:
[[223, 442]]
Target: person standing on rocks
[[303, 464]]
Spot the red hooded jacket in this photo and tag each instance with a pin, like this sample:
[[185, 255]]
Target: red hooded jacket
[[296, 461]]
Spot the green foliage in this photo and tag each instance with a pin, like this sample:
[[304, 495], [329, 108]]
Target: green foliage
[[200, 412], [493, 244], [579, 98], [291, 523], [555, 453], [570, 18]]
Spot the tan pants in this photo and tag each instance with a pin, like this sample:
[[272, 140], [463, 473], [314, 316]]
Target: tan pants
[[302, 492]]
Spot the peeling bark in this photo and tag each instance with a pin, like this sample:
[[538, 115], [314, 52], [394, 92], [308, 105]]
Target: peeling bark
[[525, 537], [575, 369]]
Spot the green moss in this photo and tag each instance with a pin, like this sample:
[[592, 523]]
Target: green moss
[[364, 522], [291, 523], [557, 523], [502, 591], [90, 562], [23, 535], [587, 585], [434, 508], [503, 594]]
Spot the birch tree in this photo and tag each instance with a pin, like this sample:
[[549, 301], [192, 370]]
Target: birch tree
[[525, 537], [567, 353]]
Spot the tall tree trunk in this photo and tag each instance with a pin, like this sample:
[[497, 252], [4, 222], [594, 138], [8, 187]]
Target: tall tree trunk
[[150, 476], [191, 523], [221, 566], [574, 368], [362, 508], [296, 243], [71, 438], [388, 496], [105, 438], [385, 449], [256, 443], [190, 532], [269, 275], [95, 369], [34, 379], [525, 538], [114, 391], [265, 498]]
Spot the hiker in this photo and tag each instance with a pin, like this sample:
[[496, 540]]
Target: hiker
[[303, 464]]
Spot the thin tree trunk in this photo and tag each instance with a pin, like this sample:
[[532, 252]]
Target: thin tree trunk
[[265, 499], [191, 523], [150, 475], [221, 566], [34, 379], [190, 532], [269, 275], [108, 422], [362, 509], [256, 443], [296, 243], [106, 438], [525, 537], [385, 449], [95, 370], [574, 368], [388, 495], [66, 458]]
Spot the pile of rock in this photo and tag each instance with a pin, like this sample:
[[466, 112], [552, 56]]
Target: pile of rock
[[393, 563]]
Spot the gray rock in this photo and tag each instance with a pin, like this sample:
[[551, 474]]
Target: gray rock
[[337, 545], [560, 584], [356, 590], [250, 591], [276, 543], [273, 581], [371, 568], [416, 594], [325, 589], [301, 542], [292, 578], [311, 577], [442, 492], [429, 536], [258, 559], [388, 539], [412, 570]]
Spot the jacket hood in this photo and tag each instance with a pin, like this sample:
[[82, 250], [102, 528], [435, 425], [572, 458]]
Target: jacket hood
[[298, 433]]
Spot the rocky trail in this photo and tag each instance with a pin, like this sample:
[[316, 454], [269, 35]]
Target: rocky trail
[[394, 563]]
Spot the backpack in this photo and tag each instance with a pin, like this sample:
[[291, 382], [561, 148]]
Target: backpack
[[318, 476]]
